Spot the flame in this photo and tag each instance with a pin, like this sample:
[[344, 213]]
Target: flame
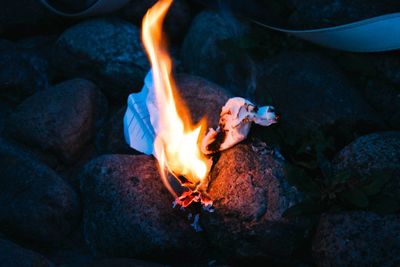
[[176, 145]]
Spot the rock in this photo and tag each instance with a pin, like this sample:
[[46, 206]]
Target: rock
[[325, 13], [128, 211], [357, 239], [219, 57], [204, 99], [385, 99], [107, 51], [388, 66], [250, 194], [22, 74], [60, 120], [72, 6], [176, 22], [311, 93], [110, 139], [36, 205], [13, 255], [121, 262], [369, 154]]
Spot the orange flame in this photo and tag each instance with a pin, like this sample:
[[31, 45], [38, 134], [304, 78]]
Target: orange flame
[[176, 144]]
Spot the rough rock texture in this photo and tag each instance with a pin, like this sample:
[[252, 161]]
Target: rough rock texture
[[36, 204], [176, 21], [250, 194], [107, 51], [215, 57], [60, 120], [203, 98], [324, 13], [310, 92], [357, 239], [371, 153], [128, 212], [13, 255], [22, 73]]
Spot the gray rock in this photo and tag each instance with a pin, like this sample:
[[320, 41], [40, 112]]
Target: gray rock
[[36, 205], [372, 153], [250, 193], [22, 73], [12, 254], [60, 120], [107, 51], [176, 21], [357, 239], [128, 212], [217, 57], [325, 13], [311, 93]]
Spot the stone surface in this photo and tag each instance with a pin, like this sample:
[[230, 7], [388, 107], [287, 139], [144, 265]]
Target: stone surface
[[60, 120], [217, 57], [36, 205], [250, 194], [357, 239], [128, 212], [176, 22], [107, 51], [22, 73], [12, 254], [372, 153], [311, 93], [325, 13]]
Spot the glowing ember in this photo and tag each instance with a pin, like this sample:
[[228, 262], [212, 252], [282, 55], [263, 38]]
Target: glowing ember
[[176, 145]]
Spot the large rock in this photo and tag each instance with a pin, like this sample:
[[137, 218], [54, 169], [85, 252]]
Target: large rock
[[60, 120], [218, 57], [128, 211], [36, 204], [250, 192], [13, 255], [311, 93], [325, 13], [357, 239], [370, 154], [107, 51], [22, 73]]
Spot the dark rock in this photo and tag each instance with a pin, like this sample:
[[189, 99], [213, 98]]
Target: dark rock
[[22, 73], [6, 45], [110, 139], [72, 6], [357, 239], [250, 193], [176, 21], [325, 13], [372, 153], [36, 205], [311, 93], [218, 57], [385, 99], [128, 212], [60, 120], [107, 51], [13, 255], [388, 65], [120, 262], [204, 99]]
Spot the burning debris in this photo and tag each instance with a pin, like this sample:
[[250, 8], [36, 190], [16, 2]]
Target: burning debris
[[234, 125], [157, 122]]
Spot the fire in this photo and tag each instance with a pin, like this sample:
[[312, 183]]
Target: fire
[[177, 142]]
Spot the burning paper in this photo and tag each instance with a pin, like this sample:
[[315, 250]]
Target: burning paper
[[234, 124], [157, 121]]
